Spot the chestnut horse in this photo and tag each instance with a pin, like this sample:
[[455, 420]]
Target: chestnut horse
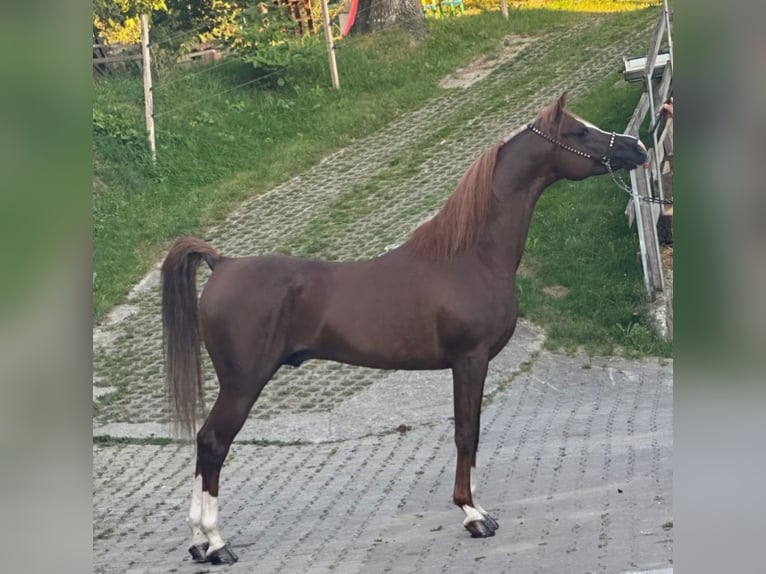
[[444, 299]]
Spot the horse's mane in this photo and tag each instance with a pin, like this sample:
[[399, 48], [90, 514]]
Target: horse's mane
[[458, 224]]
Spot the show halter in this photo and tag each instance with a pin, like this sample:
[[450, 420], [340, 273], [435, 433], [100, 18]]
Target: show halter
[[603, 160]]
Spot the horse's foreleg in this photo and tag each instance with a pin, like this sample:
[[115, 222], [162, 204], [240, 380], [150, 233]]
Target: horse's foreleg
[[474, 472], [468, 375], [491, 521]]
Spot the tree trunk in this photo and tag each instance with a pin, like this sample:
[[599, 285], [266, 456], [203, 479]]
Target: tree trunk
[[378, 15]]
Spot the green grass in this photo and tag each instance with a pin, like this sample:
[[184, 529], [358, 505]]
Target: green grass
[[214, 151]]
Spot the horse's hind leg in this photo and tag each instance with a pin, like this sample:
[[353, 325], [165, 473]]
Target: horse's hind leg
[[213, 442], [468, 375], [199, 544]]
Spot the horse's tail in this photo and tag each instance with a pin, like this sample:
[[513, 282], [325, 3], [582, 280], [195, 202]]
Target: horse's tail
[[181, 329]]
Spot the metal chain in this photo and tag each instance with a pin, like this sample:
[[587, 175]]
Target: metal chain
[[629, 190]]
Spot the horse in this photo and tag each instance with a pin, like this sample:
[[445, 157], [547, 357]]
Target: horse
[[444, 299]]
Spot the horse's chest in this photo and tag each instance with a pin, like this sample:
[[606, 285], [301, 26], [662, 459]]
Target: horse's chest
[[502, 323]]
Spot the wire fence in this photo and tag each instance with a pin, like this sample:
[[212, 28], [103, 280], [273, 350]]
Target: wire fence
[[163, 86], [262, 78]]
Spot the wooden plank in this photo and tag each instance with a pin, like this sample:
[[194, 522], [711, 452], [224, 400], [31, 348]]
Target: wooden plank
[[638, 115], [650, 235], [652, 266], [638, 64], [656, 212], [121, 58], [204, 53], [118, 44], [149, 106], [659, 151], [655, 47], [667, 138], [632, 129], [635, 177], [669, 24], [654, 158], [330, 46], [630, 213], [634, 68], [661, 92], [656, 256], [504, 8], [666, 83]]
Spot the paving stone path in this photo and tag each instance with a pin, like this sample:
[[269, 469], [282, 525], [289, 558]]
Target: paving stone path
[[575, 463], [575, 452]]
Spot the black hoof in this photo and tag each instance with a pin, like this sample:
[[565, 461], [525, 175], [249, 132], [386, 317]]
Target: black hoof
[[480, 529], [493, 524], [198, 552], [224, 555]]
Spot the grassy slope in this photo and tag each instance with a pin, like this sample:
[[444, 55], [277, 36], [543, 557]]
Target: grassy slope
[[215, 151], [254, 138]]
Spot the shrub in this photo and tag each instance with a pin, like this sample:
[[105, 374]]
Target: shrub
[[269, 41]]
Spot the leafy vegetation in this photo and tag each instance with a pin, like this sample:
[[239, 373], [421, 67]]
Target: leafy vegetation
[[269, 41], [117, 21]]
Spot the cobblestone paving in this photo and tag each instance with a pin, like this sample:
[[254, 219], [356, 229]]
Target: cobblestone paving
[[575, 463], [575, 458], [353, 205]]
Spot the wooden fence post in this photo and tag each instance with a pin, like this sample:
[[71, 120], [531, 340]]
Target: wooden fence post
[[330, 46], [148, 85], [504, 8]]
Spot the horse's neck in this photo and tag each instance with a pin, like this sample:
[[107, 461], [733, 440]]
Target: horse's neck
[[519, 180]]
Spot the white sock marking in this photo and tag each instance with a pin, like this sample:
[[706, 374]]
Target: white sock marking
[[195, 513], [210, 522], [476, 504], [471, 514]]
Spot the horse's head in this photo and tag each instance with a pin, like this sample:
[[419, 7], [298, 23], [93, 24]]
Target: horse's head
[[581, 149]]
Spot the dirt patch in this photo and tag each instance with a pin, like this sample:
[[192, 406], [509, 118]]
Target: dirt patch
[[556, 291], [482, 67], [527, 268]]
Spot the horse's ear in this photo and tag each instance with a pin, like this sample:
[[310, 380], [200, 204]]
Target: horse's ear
[[560, 105]]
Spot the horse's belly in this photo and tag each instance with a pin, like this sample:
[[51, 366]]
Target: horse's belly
[[381, 340]]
